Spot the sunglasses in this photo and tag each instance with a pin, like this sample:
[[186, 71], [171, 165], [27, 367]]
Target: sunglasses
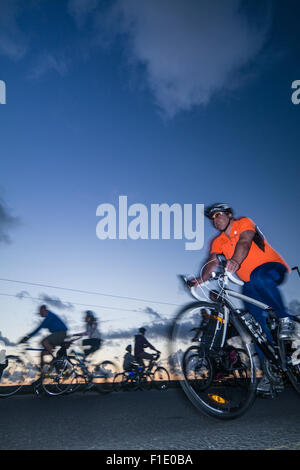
[[217, 214]]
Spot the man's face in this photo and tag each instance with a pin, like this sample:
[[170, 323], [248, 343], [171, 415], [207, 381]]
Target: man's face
[[43, 312], [221, 220]]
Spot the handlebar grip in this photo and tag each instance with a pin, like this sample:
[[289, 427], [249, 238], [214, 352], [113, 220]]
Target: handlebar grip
[[234, 279]]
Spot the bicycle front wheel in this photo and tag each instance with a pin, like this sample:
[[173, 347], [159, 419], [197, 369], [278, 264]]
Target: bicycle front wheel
[[161, 379], [220, 382], [12, 376]]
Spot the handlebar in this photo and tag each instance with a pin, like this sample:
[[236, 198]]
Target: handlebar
[[223, 275], [233, 279], [156, 355]]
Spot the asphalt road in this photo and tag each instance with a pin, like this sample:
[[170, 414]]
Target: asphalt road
[[143, 420]]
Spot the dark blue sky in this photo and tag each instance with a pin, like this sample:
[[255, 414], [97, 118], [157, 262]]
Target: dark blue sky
[[156, 106]]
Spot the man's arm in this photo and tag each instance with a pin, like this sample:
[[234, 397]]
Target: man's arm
[[148, 345], [42, 325], [241, 251]]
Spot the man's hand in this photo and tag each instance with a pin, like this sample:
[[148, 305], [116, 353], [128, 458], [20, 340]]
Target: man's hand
[[193, 283], [232, 266]]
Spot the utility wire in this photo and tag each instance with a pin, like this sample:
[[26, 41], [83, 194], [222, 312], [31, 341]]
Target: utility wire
[[88, 292], [74, 303]]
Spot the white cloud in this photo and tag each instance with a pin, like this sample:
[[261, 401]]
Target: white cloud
[[191, 50]]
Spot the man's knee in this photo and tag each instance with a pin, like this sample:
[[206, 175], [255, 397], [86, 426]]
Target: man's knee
[[262, 281]]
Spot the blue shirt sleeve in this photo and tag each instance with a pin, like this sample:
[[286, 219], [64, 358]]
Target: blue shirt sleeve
[[44, 324]]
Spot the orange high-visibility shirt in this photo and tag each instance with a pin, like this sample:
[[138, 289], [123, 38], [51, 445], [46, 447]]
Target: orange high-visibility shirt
[[260, 252]]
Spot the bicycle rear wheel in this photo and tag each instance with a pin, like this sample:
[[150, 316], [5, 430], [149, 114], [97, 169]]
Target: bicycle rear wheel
[[12, 376], [161, 378], [145, 382], [197, 368], [57, 377], [103, 376], [219, 382]]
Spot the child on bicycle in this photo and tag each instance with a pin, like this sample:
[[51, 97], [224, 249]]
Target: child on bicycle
[[128, 360]]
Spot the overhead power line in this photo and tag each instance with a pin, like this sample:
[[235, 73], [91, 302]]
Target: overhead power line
[[73, 303], [89, 292]]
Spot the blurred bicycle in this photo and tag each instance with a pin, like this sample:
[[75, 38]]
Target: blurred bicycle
[[143, 378]]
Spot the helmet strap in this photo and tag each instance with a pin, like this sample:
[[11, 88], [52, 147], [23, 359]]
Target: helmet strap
[[224, 230]]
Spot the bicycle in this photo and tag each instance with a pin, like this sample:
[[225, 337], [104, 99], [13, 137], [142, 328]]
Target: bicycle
[[219, 373], [20, 370], [84, 372], [143, 377]]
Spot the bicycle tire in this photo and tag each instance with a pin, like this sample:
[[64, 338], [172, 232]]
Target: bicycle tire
[[12, 376], [215, 401], [119, 382], [78, 383], [103, 381], [57, 378], [161, 378], [145, 382]]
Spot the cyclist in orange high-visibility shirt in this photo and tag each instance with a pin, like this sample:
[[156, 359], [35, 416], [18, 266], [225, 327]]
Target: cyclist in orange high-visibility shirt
[[251, 257]]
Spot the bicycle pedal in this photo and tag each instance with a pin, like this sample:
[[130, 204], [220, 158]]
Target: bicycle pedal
[[264, 394]]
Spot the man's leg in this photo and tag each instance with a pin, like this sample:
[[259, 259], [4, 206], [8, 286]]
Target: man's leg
[[139, 360], [263, 286], [147, 356], [94, 344], [48, 350], [266, 280], [50, 342]]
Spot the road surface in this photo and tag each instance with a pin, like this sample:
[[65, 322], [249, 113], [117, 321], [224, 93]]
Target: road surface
[[143, 421]]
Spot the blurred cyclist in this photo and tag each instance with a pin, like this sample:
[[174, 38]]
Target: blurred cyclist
[[252, 258], [57, 328], [140, 343], [128, 359], [92, 332]]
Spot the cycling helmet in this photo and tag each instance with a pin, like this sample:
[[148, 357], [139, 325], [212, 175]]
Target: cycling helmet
[[218, 207], [142, 330], [129, 348]]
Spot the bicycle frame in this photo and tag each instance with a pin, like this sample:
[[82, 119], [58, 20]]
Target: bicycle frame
[[246, 333], [83, 366], [258, 336]]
